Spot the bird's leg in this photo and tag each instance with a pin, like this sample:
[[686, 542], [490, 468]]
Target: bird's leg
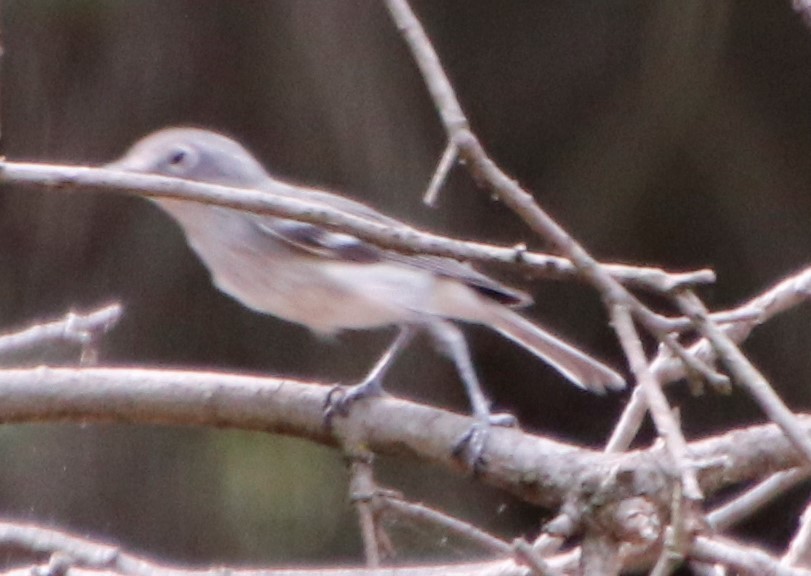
[[340, 398], [471, 445]]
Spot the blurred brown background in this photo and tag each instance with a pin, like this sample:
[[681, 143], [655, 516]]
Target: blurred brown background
[[668, 133]]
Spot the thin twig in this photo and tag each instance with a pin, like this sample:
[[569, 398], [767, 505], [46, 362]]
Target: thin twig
[[786, 294], [746, 560], [736, 316], [441, 173], [278, 202], [465, 530], [526, 554], [363, 489], [677, 537], [745, 373], [707, 569], [84, 553], [554, 534], [74, 328], [516, 198], [748, 503], [798, 552], [666, 425]]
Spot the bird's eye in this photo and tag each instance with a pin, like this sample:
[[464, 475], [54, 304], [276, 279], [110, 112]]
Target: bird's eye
[[177, 157], [180, 159]]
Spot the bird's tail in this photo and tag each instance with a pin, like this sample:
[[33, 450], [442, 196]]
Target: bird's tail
[[578, 367]]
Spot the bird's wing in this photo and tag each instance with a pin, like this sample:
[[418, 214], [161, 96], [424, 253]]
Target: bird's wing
[[325, 243]]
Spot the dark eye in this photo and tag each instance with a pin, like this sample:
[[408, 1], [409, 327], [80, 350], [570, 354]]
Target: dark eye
[[177, 157], [180, 159]]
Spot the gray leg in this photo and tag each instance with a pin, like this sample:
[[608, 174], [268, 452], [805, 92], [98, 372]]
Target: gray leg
[[339, 398], [452, 342], [373, 381]]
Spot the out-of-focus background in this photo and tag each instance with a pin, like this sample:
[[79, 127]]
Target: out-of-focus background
[[675, 134]]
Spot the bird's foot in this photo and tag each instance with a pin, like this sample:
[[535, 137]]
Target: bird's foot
[[340, 398], [471, 445]]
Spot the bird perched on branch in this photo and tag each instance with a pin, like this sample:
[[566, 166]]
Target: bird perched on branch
[[330, 281]]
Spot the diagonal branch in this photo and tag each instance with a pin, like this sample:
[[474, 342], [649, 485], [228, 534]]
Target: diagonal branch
[[745, 374], [666, 424], [799, 549], [755, 498], [747, 560], [783, 296], [407, 240], [519, 200]]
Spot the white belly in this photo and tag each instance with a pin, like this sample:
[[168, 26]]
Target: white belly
[[329, 296], [267, 275]]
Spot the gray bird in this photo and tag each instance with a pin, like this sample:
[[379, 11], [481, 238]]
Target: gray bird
[[330, 281]]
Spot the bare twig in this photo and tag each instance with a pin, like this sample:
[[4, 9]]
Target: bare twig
[[516, 198], [534, 468], [707, 569], [677, 537], [799, 549], [556, 531], [786, 294], [84, 553], [755, 498], [407, 240], [745, 373], [82, 329], [666, 425], [747, 560], [363, 489], [465, 530], [526, 554], [681, 324], [441, 173], [388, 425]]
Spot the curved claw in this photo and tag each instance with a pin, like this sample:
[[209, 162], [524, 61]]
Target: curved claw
[[340, 398], [470, 446]]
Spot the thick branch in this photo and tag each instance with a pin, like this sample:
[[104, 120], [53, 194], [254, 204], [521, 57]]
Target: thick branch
[[535, 469], [538, 470]]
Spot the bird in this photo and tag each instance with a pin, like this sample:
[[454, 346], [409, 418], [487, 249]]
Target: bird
[[329, 281]]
